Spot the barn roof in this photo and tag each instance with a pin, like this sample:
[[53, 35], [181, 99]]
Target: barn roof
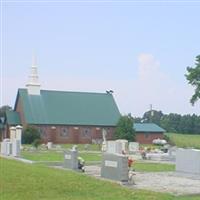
[[12, 118], [69, 108], [147, 127]]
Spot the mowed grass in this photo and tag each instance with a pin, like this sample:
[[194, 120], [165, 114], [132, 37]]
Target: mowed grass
[[152, 167], [185, 140], [57, 155], [19, 181], [82, 147]]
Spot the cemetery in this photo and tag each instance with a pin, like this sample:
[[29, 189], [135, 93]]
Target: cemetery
[[175, 171]]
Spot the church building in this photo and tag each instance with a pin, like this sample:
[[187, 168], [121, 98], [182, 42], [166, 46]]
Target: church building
[[64, 116]]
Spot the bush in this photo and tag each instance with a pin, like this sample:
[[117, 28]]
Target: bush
[[124, 129], [30, 134], [36, 143]]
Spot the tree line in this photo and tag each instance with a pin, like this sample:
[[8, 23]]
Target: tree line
[[186, 124]]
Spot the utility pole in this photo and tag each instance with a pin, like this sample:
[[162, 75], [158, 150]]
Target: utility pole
[[151, 112]]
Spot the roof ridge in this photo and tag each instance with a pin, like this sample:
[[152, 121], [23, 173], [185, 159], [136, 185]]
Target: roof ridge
[[64, 91]]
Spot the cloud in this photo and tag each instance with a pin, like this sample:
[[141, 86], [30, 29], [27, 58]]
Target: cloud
[[154, 86], [150, 85]]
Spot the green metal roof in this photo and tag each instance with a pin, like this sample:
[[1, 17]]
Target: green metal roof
[[69, 108], [1, 126], [12, 118], [147, 127]]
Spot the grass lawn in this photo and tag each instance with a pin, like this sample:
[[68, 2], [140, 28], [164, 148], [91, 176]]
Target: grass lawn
[[152, 167], [57, 156], [19, 181], [185, 140], [81, 147], [88, 156]]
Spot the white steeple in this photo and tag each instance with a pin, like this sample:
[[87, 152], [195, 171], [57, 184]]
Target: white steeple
[[33, 84]]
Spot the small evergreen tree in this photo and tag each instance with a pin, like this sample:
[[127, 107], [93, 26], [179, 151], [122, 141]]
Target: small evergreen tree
[[30, 134], [124, 129]]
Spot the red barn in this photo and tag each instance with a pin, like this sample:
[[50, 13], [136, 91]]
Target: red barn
[[147, 132]]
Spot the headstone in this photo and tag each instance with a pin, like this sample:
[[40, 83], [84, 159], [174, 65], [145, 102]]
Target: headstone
[[111, 147], [115, 167], [19, 134], [133, 147], [188, 161], [124, 145], [8, 148], [114, 147], [49, 145], [71, 159], [172, 153], [3, 148], [12, 133], [16, 148]]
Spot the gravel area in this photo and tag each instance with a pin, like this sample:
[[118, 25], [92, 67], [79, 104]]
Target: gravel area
[[169, 182]]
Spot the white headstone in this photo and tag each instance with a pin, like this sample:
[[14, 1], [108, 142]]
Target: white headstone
[[124, 144], [19, 134], [133, 146], [16, 147], [3, 148], [111, 147], [12, 133], [119, 147], [49, 145], [8, 148], [188, 161], [114, 147]]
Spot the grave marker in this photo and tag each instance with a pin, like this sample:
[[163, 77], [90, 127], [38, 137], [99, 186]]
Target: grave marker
[[115, 167]]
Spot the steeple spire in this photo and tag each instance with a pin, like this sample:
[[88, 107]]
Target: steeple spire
[[33, 84]]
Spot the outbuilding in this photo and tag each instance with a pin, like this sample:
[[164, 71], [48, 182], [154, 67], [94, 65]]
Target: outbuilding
[[147, 132]]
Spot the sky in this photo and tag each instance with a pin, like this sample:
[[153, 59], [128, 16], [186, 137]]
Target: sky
[[138, 49]]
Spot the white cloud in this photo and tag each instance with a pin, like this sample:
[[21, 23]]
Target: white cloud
[[154, 86], [151, 86]]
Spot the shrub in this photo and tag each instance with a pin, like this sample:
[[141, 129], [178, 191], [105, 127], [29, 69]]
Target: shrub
[[30, 134], [36, 143]]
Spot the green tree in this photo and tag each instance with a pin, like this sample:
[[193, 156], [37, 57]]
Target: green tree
[[153, 116], [30, 134], [193, 77], [3, 110], [124, 129]]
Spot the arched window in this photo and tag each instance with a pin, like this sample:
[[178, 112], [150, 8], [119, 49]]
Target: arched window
[[42, 132], [64, 132], [86, 132]]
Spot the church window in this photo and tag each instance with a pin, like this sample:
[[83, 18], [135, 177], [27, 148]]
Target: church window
[[86, 132], [64, 132]]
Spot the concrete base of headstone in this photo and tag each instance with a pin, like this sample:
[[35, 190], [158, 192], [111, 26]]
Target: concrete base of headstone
[[71, 159], [114, 167], [188, 161]]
